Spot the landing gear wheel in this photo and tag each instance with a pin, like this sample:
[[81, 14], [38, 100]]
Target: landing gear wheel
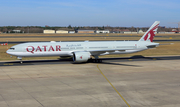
[[99, 61], [20, 58], [21, 61], [96, 61]]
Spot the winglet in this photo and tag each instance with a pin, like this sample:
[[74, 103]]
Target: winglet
[[149, 35]]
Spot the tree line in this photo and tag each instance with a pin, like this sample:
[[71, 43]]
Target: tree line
[[39, 29]]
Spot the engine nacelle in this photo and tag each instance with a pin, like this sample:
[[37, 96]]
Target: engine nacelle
[[79, 57]]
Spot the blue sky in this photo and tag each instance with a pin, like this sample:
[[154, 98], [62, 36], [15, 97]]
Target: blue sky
[[141, 13]]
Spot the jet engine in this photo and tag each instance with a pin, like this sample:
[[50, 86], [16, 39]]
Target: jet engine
[[79, 57]]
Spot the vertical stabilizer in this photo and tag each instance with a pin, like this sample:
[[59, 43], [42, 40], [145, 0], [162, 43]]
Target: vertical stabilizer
[[149, 35]]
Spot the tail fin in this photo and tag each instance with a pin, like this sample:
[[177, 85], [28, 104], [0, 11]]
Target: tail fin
[[149, 35]]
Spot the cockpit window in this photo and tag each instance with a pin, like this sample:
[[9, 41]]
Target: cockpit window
[[12, 48]]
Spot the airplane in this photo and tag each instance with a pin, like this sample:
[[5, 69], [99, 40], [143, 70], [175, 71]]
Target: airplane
[[85, 50]]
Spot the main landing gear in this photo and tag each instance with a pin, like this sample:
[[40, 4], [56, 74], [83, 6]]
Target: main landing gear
[[96, 60]]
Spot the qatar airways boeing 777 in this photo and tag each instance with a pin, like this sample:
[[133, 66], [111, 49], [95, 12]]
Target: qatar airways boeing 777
[[82, 51]]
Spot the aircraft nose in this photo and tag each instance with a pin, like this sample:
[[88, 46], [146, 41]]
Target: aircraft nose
[[7, 51]]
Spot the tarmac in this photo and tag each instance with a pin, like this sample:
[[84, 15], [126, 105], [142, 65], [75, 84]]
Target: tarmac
[[144, 82]]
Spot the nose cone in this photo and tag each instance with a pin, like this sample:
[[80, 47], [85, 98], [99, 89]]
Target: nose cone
[[8, 51]]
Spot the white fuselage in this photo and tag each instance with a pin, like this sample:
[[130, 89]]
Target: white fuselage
[[95, 48]]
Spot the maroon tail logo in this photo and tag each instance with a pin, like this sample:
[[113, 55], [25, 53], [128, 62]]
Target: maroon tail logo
[[150, 35]]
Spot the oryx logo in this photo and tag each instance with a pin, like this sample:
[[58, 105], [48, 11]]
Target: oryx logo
[[150, 35]]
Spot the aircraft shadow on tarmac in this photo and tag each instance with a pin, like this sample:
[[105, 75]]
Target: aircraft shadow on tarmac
[[111, 61], [141, 58]]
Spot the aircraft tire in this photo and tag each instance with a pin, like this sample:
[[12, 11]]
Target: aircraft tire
[[96, 61]]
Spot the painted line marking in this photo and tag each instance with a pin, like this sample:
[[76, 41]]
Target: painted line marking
[[113, 87], [8, 64]]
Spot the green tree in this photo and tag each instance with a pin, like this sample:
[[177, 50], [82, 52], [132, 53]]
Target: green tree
[[69, 27]]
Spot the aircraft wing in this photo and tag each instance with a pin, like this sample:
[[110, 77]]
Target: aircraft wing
[[98, 52]]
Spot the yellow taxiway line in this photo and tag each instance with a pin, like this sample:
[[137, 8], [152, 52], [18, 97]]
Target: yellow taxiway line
[[113, 87]]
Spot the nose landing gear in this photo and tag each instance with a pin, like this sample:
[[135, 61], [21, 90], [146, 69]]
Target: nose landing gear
[[20, 58]]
